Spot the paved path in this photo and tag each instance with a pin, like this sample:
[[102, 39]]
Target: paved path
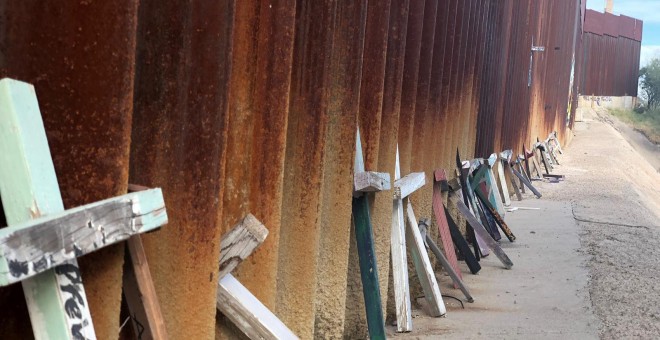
[[585, 266]]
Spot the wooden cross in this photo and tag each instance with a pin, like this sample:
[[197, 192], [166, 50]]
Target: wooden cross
[[481, 230], [544, 156], [403, 188], [463, 174], [480, 186], [368, 182], [234, 300], [537, 168], [494, 193], [505, 158], [477, 208], [506, 198], [524, 181], [44, 239]]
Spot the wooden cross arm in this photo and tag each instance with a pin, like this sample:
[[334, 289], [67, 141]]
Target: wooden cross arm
[[370, 181], [506, 155], [32, 247], [491, 160], [233, 299], [240, 242], [248, 313], [405, 186]]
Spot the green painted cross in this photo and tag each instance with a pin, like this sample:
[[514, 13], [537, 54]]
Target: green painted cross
[[40, 246]]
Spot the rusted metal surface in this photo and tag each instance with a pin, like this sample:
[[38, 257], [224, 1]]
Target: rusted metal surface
[[257, 123], [318, 165], [609, 59], [253, 107], [80, 58], [343, 91], [371, 90], [179, 143]]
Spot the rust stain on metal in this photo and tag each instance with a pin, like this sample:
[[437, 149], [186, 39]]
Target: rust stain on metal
[[80, 58], [179, 143], [369, 120]]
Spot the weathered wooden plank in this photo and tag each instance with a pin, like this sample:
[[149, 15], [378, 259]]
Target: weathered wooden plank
[[494, 191], [367, 254], [496, 215], [368, 268], [479, 244], [503, 186], [479, 229], [371, 181], [477, 178], [507, 166], [56, 299], [140, 293], [234, 300], [455, 276], [463, 173], [240, 242], [405, 186], [32, 247], [441, 221], [400, 261], [526, 182], [462, 245], [248, 313], [423, 266]]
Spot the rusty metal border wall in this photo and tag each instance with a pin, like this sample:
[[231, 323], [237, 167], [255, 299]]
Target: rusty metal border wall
[[239, 106], [610, 54]]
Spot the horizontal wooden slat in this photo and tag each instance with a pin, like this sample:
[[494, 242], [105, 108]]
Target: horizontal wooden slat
[[409, 184], [32, 247], [248, 313], [240, 242], [371, 181]]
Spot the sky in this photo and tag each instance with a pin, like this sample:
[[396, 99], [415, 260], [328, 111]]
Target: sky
[[645, 10]]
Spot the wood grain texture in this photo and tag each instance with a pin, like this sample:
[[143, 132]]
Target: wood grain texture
[[441, 221], [494, 193], [30, 248], [405, 186], [29, 188], [400, 261], [248, 313], [496, 216], [526, 182], [455, 276], [233, 299], [479, 229], [141, 298], [367, 254], [240, 242], [368, 268], [501, 179], [423, 266], [371, 181]]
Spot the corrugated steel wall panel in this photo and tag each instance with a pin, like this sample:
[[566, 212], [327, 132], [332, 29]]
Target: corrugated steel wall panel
[[610, 58]]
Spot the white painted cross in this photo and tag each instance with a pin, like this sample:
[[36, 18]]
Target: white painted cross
[[44, 239], [403, 187], [233, 299]]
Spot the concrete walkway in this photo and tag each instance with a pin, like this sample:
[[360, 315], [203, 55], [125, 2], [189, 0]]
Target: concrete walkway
[[585, 265]]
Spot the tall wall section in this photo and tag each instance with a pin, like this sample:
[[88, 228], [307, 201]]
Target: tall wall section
[[252, 106], [610, 55]]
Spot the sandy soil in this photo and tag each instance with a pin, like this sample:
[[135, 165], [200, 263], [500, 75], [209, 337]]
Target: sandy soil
[[586, 265]]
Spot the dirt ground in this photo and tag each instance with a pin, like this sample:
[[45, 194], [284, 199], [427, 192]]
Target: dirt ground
[[586, 264]]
